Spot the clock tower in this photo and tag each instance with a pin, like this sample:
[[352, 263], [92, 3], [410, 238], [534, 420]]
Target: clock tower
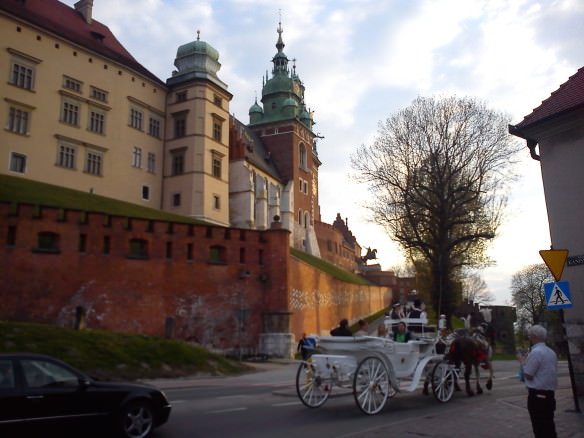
[[285, 127]]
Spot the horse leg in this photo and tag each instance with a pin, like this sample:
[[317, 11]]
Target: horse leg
[[490, 362], [478, 377], [467, 369]]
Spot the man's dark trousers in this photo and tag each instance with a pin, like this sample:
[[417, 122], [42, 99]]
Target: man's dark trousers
[[541, 406]]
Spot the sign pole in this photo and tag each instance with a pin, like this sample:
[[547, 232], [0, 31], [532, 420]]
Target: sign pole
[[570, 368]]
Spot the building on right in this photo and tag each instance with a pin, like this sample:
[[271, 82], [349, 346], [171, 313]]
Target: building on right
[[554, 132]]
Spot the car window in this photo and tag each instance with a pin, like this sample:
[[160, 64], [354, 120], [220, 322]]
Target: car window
[[7, 374], [44, 374]]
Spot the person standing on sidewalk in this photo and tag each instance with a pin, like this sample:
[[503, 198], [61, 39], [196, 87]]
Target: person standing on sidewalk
[[540, 369]]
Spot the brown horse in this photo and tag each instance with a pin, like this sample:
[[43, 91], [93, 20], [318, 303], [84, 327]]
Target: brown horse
[[469, 351]]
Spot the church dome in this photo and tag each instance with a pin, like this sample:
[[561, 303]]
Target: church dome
[[197, 57], [197, 47], [255, 108], [290, 102]]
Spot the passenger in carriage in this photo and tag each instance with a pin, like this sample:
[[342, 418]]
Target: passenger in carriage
[[342, 329], [363, 328], [402, 334], [396, 313], [417, 313]]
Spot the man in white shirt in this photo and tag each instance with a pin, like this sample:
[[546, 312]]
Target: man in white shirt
[[540, 369]]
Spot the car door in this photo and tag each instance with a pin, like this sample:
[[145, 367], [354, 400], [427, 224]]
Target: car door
[[54, 392], [12, 401]]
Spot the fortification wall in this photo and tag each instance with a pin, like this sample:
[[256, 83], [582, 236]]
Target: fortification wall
[[318, 301], [223, 288]]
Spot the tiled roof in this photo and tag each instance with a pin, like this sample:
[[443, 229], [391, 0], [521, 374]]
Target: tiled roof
[[255, 150], [60, 19], [569, 96]]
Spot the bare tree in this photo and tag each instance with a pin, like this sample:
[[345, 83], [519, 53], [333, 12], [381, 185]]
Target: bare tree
[[439, 172], [528, 294], [474, 289]]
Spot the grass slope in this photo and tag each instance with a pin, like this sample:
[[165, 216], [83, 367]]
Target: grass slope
[[116, 356], [13, 189], [332, 270]]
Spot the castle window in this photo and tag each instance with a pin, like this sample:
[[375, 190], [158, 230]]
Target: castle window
[[181, 97], [106, 245], [154, 127], [189, 252], [216, 164], [242, 255], [136, 118], [96, 121], [98, 94], [178, 161], [72, 84], [47, 242], [176, 200], [93, 162], [138, 248], [151, 162], [70, 112], [180, 126], [168, 250], [18, 120], [302, 156], [217, 129], [145, 193], [11, 235], [137, 157], [22, 75], [217, 100], [82, 243], [216, 202], [66, 156], [217, 254], [17, 162]]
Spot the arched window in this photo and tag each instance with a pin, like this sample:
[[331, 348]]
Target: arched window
[[302, 156], [300, 216]]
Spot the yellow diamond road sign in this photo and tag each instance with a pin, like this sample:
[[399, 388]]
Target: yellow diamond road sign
[[555, 259]]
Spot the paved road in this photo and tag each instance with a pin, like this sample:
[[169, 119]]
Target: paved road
[[264, 404]]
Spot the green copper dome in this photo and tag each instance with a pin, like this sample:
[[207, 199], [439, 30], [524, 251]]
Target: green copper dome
[[197, 57], [255, 108], [197, 47]]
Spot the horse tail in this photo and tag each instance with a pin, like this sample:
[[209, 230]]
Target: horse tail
[[454, 353]]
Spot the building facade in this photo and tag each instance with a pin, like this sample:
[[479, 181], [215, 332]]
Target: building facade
[[554, 133]]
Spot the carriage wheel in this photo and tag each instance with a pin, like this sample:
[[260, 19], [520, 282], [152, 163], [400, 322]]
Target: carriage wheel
[[371, 385], [443, 380], [310, 388]]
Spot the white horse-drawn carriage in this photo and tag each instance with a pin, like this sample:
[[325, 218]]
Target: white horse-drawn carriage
[[375, 368]]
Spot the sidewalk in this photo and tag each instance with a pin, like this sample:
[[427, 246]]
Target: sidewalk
[[506, 417]]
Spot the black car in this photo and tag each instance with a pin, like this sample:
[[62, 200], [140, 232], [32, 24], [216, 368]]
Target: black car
[[41, 391]]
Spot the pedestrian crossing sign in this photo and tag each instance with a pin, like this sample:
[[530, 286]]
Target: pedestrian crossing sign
[[557, 295]]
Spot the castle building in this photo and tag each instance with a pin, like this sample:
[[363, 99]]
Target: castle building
[[80, 112]]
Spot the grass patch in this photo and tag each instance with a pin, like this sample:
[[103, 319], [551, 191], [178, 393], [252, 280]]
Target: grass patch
[[19, 190], [330, 269], [117, 356]]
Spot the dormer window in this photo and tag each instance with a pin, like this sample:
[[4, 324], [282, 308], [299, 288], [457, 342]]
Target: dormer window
[[98, 36]]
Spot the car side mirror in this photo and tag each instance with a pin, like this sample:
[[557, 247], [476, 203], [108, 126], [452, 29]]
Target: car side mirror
[[84, 383]]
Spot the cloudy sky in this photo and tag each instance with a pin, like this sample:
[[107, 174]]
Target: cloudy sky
[[363, 60]]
